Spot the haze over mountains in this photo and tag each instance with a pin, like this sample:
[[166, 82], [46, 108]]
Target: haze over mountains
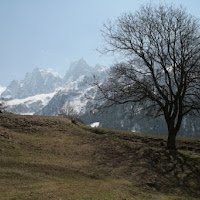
[[45, 93], [34, 92]]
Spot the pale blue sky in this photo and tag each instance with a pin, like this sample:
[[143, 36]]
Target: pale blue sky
[[54, 33]]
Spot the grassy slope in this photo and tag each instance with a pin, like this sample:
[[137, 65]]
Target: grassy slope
[[52, 158]]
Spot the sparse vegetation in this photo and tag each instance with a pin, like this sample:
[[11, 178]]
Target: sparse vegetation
[[52, 158]]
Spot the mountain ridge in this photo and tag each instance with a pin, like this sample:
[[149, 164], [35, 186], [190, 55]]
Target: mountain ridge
[[73, 91], [33, 93], [38, 82]]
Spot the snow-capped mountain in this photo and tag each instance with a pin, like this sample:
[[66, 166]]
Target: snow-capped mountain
[[44, 93], [38, 82], [75, 89], [81, 68], [29, 105], [75, 93], [33, 94], [77, 69]]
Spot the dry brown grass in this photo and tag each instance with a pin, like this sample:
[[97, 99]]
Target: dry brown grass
[[52, 158]]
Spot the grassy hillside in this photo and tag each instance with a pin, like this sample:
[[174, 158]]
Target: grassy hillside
[[53, 158]]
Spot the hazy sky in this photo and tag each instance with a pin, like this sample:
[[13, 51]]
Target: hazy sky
[[54, 33]]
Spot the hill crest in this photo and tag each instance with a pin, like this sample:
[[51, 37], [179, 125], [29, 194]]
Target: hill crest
[[64, 157]]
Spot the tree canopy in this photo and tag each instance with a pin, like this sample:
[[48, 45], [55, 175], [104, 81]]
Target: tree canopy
[[161, 68]]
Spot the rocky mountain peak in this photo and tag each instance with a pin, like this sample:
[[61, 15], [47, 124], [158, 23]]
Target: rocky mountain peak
[[39, 81], [77, 69]]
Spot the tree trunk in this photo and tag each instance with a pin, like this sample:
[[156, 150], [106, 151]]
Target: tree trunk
[[171, 143]]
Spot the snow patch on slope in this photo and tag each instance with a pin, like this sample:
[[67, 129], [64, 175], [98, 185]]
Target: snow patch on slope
[[2, 89], [95, 124], [29, 100]]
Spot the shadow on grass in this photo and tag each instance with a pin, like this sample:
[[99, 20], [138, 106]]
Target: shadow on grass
[[177, 170]]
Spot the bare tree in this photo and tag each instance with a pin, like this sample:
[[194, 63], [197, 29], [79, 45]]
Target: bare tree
[[3, 106], [161, 68], [68, 111]]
